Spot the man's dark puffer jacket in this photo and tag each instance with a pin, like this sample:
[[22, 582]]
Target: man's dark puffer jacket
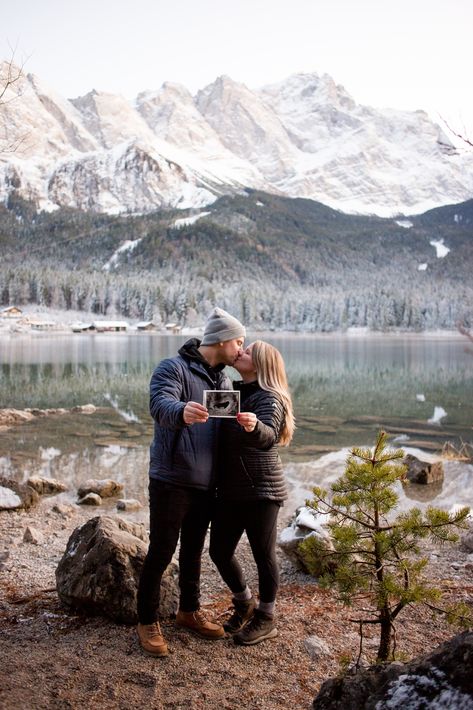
[[180, 454], [249, 466]]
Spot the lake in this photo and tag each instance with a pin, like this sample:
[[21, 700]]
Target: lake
[[345, 388]]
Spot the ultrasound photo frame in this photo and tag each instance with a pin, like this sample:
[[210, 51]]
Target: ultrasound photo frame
[[222, 403]]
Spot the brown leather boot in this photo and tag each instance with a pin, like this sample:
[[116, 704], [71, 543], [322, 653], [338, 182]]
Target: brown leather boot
[[242, 613], [151, 639], [261, 627], [196, 622]]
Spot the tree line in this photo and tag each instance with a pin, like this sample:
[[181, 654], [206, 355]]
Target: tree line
[[275, 263]]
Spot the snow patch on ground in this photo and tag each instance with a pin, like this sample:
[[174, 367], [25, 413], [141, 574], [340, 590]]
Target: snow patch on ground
[[186, 221], [439, 414], [406, 223], [440, 247], [415, 692], [8, 499], [49, 454], [127, 416], [126, 246]]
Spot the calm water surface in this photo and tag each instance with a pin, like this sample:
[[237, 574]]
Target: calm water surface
[[345, 388]]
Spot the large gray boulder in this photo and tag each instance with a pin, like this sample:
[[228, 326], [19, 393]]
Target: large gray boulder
[[100, 570], [103, 487], [305, 523], [422, 471], [440, 679], [46, 486], [90, 499], [11, 417]]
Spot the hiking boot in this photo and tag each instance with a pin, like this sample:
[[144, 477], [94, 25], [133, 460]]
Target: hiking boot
[[242, 613], [151, 639], [196, 622], [260, 628]]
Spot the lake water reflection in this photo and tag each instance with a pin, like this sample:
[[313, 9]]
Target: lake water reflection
[[345, 388]]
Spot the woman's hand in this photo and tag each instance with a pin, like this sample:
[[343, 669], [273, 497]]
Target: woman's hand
[[247, 420]]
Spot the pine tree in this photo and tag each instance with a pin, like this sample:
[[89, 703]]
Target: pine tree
[[376, 556]]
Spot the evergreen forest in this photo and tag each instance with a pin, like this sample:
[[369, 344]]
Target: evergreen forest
[[274, 262]]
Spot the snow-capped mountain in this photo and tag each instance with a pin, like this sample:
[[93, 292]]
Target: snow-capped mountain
[[302, 137]]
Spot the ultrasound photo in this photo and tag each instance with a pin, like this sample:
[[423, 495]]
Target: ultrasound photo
[[222, 403]]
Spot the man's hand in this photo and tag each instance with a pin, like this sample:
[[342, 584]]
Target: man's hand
[[247, 420], [195, 413]]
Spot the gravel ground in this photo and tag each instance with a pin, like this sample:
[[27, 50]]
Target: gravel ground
[[52, 659]]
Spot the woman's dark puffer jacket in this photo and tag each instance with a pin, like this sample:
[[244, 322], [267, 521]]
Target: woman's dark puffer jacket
[[249, 466]]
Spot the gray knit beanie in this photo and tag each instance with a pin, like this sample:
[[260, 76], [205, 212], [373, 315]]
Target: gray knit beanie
[[221, 326]]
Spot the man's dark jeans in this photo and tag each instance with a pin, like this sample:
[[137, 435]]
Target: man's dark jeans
[[173, 510]]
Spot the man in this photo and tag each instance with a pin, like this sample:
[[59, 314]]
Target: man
[[182, 474]]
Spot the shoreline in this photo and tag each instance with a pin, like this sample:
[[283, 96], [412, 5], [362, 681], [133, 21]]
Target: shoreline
[[64, 329], [58, 322]]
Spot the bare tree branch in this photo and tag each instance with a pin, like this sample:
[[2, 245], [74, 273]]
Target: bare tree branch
[[462, 136], [11, 78], [11, 89]]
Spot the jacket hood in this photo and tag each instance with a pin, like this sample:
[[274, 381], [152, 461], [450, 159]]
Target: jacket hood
[[190, 351]]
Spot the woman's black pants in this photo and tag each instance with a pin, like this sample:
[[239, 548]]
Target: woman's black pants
[[258, 518]]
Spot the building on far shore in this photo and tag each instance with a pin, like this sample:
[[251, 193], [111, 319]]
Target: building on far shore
[[43, 325], [173, 327], [81, 327], [109, 326], [11, 312], [146, 325]]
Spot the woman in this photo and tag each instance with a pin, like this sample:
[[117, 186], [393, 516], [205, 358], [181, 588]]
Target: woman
[[251, 489]]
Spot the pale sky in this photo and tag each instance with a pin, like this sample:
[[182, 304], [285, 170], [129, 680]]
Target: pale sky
[[405, 54]]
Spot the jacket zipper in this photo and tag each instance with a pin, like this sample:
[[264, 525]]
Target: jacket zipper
[[246, 472]]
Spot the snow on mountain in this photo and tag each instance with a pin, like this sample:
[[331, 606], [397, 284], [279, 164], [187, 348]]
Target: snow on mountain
[[186, 221], [42, 124], [127, 177], [440, 248], [312, 109], [38, 128], [172, 115], [68, 121], [246, 126], [128, 245], [359, 159], [111, 119], [303, 137]]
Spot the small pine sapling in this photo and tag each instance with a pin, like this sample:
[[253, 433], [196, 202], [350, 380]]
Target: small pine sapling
[[376, 560]]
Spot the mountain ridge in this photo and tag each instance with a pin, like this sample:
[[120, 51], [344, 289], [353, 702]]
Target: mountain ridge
[[302, 137]]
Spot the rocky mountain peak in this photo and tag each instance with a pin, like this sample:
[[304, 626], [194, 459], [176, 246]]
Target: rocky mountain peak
[[112, 119], [223, 88], [304, 137], [310, 88]]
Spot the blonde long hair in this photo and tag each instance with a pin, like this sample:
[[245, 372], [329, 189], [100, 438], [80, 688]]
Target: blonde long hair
[[271, 375]]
